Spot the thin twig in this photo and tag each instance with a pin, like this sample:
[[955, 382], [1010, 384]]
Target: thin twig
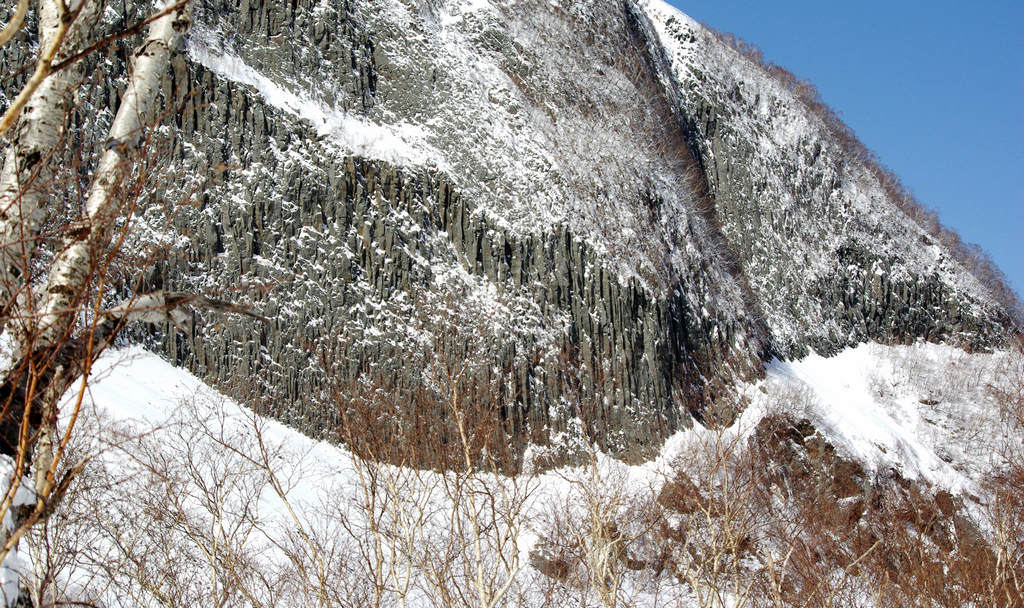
[[60, 65], [15, 23]]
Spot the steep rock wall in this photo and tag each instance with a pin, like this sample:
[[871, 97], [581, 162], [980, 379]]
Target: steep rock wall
[[597, 208], [354, 250], [832, 258]]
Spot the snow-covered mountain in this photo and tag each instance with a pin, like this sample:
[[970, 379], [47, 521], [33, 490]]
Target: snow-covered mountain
[[579, 293], [605, 183], [599, 198]]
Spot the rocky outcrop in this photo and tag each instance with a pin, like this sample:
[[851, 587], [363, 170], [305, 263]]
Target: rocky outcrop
[[787, 187], [624, 217], [348, 256], [858, 290], [874, 300], [352, 251]]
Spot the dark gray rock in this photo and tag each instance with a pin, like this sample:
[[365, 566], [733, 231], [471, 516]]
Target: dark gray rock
[[354, 259]]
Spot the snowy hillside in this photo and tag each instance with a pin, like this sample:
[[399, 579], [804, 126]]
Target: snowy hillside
[[478, 303], [634, 194], [182, 480]]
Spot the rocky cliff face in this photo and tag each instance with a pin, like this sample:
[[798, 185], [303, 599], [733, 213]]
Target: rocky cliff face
[[787, 187], [599, 197], [370, 201]]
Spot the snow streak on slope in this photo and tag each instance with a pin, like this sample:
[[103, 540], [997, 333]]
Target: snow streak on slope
[[399, 144]]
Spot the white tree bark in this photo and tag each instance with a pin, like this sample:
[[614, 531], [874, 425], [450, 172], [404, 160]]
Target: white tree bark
[[41, 111], [14, 24], [26, 177], [71, 270]]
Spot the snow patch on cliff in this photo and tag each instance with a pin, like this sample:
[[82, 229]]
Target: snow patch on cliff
[[400, 143], [924, 410]]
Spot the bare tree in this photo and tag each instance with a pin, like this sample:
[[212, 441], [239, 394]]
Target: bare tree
[[55, 257], [451, 419]]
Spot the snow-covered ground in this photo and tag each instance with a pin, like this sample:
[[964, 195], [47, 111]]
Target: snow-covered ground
[[183, 477], [905, 408], [873, 401]]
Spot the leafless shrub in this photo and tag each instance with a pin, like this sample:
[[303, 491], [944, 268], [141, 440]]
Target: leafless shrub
[[1004, 513], [718, 526], [774, 517]]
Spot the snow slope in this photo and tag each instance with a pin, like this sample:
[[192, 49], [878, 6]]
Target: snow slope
[[869, 400], [924, 410], [920, 410]]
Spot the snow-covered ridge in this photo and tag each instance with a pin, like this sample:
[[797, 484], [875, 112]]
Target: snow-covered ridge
[[789, 121], [787, 190]]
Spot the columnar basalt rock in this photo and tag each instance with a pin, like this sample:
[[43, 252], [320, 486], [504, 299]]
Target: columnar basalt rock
[[619, 196], [833, 259]]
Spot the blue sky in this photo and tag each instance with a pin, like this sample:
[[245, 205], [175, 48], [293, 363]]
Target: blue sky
[[936, 89]]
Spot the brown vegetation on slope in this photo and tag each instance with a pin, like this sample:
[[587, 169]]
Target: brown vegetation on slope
[[772, 518]]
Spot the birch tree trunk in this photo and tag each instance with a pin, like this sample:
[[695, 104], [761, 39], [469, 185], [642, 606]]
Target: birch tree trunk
[[40, 317], [28, 167], [72, 270]]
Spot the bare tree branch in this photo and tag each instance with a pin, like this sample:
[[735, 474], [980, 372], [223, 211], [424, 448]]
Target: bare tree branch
[[129, 31], [15, 23]]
